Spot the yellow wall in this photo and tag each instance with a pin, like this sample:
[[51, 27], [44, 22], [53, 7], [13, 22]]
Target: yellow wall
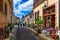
[[39, 8]]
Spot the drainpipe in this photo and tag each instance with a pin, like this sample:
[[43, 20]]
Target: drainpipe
[[59, 13]]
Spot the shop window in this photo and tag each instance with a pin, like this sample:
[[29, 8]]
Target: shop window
[[48, 11], [48, 18], [1, 5], [53, 9], [45, 11]]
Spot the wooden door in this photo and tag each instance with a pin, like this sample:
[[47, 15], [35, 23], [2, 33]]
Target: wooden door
[[46, 20], [53, 21]]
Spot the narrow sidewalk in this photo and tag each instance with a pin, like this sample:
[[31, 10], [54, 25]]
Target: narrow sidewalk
[[6, 39]]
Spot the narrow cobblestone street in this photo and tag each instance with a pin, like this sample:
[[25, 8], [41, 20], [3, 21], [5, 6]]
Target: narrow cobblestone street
[[23, 33], [29, 19]]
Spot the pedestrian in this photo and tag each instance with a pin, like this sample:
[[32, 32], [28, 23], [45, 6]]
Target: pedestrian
[[58, 33]]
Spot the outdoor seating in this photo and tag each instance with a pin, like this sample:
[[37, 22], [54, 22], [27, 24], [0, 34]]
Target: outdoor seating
[[53, 35]]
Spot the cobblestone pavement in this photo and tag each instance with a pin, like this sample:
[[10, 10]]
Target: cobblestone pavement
[[22, 33], [13, 33], [25, 34]]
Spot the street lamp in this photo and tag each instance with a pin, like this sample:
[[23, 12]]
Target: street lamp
[[45, 5]]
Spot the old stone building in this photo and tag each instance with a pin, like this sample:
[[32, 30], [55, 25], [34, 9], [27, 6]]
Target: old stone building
[[27, 18], [4, 11], [10, 11]]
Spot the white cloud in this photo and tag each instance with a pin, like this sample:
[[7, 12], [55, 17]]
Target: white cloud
[[27, 6], [15, 1], [16, 11]]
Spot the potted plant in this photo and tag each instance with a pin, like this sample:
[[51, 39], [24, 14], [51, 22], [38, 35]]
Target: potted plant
[[39, 22]]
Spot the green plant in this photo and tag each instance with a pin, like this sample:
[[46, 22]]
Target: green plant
[[39, 21], [10, 26], [16, 23], [28, 24]]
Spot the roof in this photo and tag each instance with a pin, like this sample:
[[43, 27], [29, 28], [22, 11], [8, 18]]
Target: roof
[[37, 3]]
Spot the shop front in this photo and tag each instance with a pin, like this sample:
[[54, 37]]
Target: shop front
[[49, 16], [49, 20]]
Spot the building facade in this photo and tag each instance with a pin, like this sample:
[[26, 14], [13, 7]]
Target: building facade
[[26, 19], [31, 18], [10, 14], [14, 20], [49, 11], [4, 11]]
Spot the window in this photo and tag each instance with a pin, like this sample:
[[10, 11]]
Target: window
[[53, 9], [36, 15], [1, 5], [48, 18], [31, 15], [5, 8], [48, 11]]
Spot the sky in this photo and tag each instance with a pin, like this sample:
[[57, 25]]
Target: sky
[[22, 7]]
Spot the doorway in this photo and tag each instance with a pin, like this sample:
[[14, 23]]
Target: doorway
[[49, 16]]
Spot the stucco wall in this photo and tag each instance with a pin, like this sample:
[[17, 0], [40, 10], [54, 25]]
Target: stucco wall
[[39, 8], [50, 2]]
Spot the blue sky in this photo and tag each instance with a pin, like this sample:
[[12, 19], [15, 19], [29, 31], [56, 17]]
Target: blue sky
[[22, 7]]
